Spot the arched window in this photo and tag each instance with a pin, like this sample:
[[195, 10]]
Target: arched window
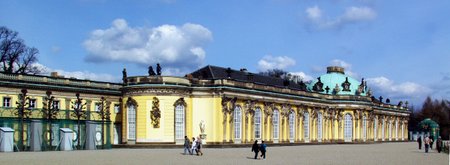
[[348, 128], [364, 125], [291, 125], [237, 122], [306, 126], [179, 121], [375, 131], [396, 129], [258, 123], [276, 116], [131, 115], [383, 129], [403, 127], [390, 131], [319, 127]]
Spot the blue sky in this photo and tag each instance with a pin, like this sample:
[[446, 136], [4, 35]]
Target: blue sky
[[401, 48]]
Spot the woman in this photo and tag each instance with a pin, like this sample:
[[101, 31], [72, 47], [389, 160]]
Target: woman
[[199, 146], [439, 144], [255, 148], [194, 146]]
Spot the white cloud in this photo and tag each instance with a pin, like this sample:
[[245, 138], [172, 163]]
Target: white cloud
[[77, 74], [390, 89], [346, 66], [175, 47], [302, 75], [351, 15], [275, 62]]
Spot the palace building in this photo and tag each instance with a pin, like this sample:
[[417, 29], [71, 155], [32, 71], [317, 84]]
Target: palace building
[[220, 105]]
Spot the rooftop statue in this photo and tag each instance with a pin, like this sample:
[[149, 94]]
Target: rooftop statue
[[151, 72], [158, 69]]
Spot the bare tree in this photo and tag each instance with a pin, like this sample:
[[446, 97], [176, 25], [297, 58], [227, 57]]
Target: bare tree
[[15, 56], [278, 73]]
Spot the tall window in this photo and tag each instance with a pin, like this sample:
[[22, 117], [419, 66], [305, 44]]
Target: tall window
[[131, 122], [276, 116], [306, 126], [375, 131], [319, 127], [258, 123], [237, 122], [382, 129], [291, 125], [390, 131], [396, 129], [348, 128], [179, 121], [6, 102], [364, 127], [403, 135]]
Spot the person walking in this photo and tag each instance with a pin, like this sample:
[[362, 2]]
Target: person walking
[[194, 146], [263, 150], [187, 145], [419, 140], [439, 144], [255, 148], [426, 140], [199, 146], [431, 141]]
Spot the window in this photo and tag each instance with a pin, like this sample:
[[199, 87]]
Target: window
[[116, 108], [6, 102], [32, 103], [396, 129], [364, 125], [257, 123], [131, 122], [390, 131], [348, 128], [375, 131], [276, 128], [98, 107], [403, 135], [179, 122], [306, 126], [291, 125], [382, 129], [319, 127], [237, 122], [56, 104]]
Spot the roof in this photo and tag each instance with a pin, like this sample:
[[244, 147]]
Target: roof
[[211, 72], [337, 80]]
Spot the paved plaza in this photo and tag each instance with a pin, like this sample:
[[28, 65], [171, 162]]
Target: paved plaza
[[376, 154]]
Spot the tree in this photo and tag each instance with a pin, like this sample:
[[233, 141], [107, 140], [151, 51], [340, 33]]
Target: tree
[[436, 110], [278, 73], [15, 56]]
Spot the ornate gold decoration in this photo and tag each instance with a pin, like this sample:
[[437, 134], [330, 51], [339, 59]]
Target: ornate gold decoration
[[155, 113]]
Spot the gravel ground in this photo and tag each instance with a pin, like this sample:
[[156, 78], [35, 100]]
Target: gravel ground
[[385, 153]]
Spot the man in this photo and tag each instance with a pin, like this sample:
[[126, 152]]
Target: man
[[255, 148], [262, 148], [427, 141], [187, 145], [419, 140], [439, 144]]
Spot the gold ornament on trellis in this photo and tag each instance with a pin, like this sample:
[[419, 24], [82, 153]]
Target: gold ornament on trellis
[[155, 113]]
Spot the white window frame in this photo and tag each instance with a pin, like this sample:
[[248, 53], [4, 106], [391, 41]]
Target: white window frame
[[7, 102], [348, 128], [257, 126], [276, 124], [319, 127], [180, 122], [375, 131], [131, 122], [306, 126], [390, 131], [237, 122], [32, 103], [383, 129], [364, 125], [291, 125], [56, 104], [403, 131], [396, 129]]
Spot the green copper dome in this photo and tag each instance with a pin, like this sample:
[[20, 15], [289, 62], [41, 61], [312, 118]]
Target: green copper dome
[[337, 83]]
